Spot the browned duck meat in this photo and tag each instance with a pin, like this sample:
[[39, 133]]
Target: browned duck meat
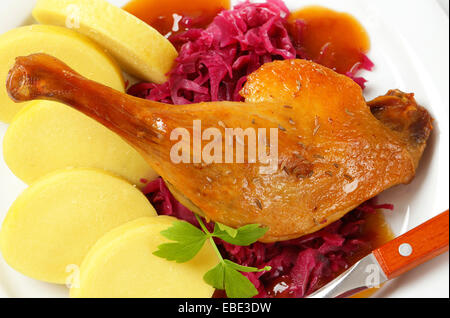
[[410, 122], [333, 153]]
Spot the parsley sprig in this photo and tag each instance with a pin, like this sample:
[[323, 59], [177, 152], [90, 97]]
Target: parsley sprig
[[227, 275]]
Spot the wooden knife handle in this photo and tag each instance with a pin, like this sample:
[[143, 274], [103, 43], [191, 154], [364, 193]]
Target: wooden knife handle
[[415, 247]]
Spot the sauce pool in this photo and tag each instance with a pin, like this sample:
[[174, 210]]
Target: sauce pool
[[334, 39], [171, 17]]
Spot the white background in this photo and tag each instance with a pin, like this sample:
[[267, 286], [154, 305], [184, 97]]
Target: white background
[[410, 48]]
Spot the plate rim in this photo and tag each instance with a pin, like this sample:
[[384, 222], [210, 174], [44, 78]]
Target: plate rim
[[441, 21]]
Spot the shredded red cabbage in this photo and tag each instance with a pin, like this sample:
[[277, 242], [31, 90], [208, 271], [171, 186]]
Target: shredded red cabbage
[[365, 64], [213, 63], [299, 265]]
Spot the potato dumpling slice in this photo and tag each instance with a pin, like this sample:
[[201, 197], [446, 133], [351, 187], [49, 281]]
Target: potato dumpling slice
[[122, 264], [47, 136], [53, 224], [74, 49], [140, 49]]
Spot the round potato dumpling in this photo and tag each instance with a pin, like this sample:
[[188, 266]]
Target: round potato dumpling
[[122, 264], [140, 49], [74, 49], [47, 136], [52, 225]]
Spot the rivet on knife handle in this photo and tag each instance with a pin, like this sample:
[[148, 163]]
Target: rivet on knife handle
[[414, 247]]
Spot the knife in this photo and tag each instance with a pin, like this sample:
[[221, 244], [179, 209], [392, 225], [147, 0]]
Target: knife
[[391, 260]]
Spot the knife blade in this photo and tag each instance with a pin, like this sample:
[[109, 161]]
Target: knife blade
[[394, 258], [366, 273]]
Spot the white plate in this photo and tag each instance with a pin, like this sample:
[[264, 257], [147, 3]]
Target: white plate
[[410, 48]]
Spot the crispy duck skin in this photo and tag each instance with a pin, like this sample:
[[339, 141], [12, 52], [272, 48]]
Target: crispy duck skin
[[334, 151]]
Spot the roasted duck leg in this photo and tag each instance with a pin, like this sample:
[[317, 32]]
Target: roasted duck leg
[[333, 152]]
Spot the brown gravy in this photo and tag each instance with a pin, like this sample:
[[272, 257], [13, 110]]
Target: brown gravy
[[160, 14], [334, 39]]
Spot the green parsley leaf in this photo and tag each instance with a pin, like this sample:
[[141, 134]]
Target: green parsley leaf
[[246, 269], [245, 236], [216, 276], [229, 230], [179, 252], [189, 241], [237, 285], [183, 231], [226, 276]]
